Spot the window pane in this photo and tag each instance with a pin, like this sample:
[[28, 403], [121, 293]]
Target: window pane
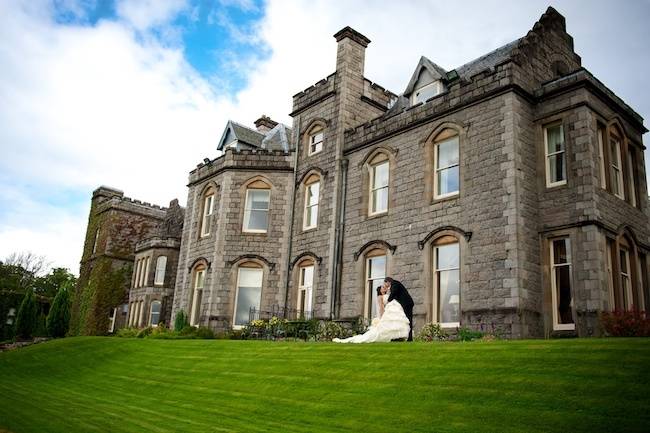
[[247, 297], [257, 220], [377, 267], [623, 261], [155, 312], [556, 167], [380, 176], [561, 251], [563, 295], [426, 92], [161, 265], [448, 180], [380, 200], [554, 139], [312, 215], [200, 275], [259, 199], [449, 296], [447, 256], [313, 191], [307, 276], [448, 153]]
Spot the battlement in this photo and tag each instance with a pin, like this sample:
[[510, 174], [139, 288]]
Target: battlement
[[253, 159], [157, 242]]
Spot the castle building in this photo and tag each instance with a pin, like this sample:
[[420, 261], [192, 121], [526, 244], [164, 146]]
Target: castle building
[[506, 194]]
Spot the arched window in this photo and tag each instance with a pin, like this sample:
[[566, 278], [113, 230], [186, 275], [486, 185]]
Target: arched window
[[315, 139], [206, 212], [154, 313], [256, 209], [161, 267], [446, 157], [379, 181], [446, 281], [249, 292], [196, 294], [305, 288], [375, 272], [312, 197]]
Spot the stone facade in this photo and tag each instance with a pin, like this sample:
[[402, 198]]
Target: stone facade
[[116, 226], [505, 217]]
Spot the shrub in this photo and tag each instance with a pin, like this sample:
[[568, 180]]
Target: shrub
[[145, 332], [329, 330], [466, 334], [626, 323], [187, 331], [58, 320], [127, 332], [27, 317], [162, 332], [432, 332], [181, 321], [204, 332], [236, 334]]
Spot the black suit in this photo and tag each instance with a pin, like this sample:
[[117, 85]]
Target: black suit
[[399, 293]]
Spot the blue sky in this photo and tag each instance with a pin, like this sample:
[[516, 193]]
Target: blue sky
[[134, 93]]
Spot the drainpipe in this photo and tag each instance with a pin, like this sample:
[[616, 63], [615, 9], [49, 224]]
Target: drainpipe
[[292, 211], [335, 305]]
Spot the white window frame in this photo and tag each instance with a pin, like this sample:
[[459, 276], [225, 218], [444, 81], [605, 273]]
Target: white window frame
[[151, 313], [626, 289], [161, 270], [199, 276], [311, 207], [436, 288], [305, 291], [438, 90], [567, 244], [601, 157], [370, 291], [136, 279], [247, 210], [437, 169], [145, 271], [617, 169], [610, 274], [234, 315], [373, 188], [548, 156], [315, 139], [630, 171], [111, 320], [208, 209], [96, 240]]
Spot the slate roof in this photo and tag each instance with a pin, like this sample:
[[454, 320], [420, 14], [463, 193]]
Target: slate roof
[[489, 60], [247, 135]]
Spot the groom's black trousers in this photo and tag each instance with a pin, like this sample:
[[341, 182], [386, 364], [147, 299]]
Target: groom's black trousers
[[409, 313]]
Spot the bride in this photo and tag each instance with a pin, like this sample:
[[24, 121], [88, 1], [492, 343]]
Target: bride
[[392, 322]]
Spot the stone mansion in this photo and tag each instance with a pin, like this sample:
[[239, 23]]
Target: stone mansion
[[508, 193]]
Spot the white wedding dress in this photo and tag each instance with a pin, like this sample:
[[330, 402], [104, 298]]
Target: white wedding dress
[[391, 325]]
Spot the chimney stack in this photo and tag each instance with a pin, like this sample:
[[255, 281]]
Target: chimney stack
[[264, 124], [351, 51]]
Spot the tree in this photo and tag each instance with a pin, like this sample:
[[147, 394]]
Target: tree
[[27, 316], [29, 261], [58, 320], [51, 284], [181, 321]]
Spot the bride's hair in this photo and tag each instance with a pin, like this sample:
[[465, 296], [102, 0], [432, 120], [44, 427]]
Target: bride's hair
[[378, 290]]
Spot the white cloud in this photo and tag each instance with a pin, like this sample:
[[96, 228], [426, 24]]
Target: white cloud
[[145, 14], [115, 104]]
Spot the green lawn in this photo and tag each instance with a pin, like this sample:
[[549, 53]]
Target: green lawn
[[95, 384]]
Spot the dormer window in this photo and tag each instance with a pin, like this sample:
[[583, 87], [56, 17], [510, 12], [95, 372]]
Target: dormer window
[[426, 92], [315, 141]]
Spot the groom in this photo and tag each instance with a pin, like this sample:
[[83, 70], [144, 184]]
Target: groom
[[399, 292]]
